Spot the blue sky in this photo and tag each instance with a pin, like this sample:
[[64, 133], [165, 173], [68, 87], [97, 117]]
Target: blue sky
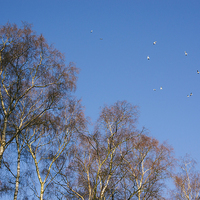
[[116, 68]]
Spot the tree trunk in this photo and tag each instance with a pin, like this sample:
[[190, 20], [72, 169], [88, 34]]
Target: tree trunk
[[138, 195], [18, 170], [3, 139], [42, 191]]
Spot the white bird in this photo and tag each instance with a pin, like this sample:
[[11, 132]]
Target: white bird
[[154, 89], [185, 53], [160, 88], [148, 58], [188, 96], [197, 72], [154, 42], [91, 31]]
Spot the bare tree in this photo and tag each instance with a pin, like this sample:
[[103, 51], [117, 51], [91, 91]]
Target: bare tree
[[11, 164], [48, 145], [147, 164], [35, 85], [187, 181], [94, 170], [46, 126], [33, 80], [117, 161]]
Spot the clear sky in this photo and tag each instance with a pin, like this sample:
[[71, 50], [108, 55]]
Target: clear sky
[[116, 68]]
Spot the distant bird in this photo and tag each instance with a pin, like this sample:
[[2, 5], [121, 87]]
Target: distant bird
[[148, 58], [191, 94], [160, 88], [101, 38], [154, 43], [91, 31], [185, 53], [197, 72], [188, 96], [154, 89]]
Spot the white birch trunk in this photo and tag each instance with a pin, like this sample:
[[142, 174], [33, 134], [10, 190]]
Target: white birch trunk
[[18, 170], [42, 191], [3, 139]]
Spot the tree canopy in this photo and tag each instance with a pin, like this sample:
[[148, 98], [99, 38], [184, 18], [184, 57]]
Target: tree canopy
[[46, 148]]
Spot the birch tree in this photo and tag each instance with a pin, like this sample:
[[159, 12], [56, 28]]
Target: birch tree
[[147, 164], [186, 180], [33, 79], [35, 84], [49, 145], [94, 170]]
